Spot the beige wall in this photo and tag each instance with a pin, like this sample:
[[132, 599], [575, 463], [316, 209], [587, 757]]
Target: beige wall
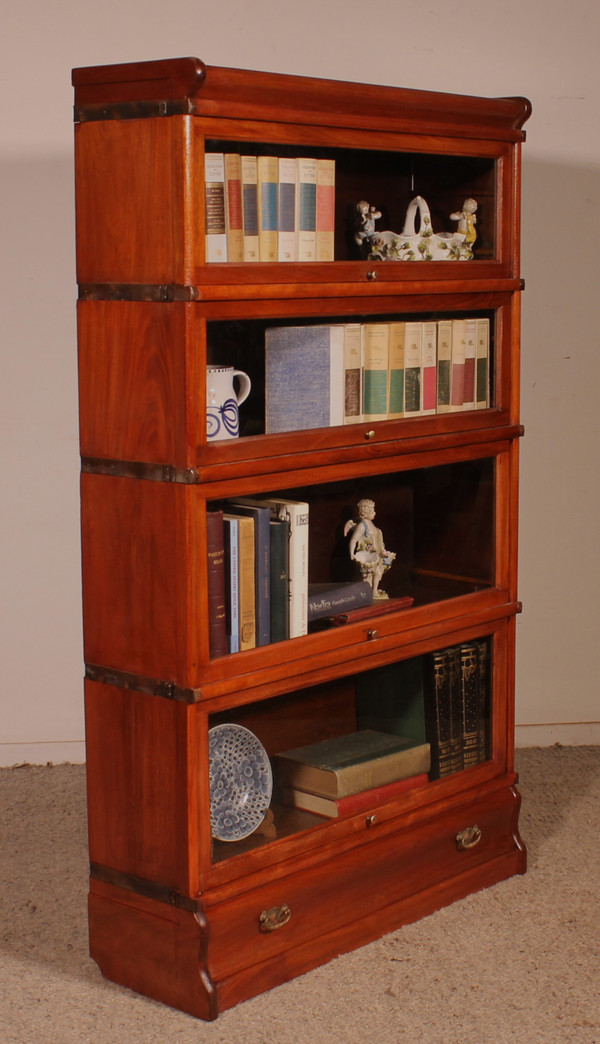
[[548, 53]]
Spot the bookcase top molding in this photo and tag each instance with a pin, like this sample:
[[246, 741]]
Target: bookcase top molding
[[187, 86]]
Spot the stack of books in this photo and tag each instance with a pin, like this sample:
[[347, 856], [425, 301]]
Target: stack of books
[[269, 208], [350, 773], [327, 375], [458, 695]]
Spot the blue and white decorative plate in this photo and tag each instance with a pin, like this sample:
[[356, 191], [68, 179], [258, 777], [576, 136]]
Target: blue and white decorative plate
[[241, 782]]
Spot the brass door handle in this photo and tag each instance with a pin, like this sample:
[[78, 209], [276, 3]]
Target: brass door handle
[[276, 917], [469, 837]]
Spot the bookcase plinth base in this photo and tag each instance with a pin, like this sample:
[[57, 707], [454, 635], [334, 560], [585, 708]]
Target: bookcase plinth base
[[206, 962]]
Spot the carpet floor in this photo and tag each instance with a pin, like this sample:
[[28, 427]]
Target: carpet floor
[[519, 962]]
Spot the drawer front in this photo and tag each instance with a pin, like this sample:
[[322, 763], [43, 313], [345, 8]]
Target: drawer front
[[386, 865]]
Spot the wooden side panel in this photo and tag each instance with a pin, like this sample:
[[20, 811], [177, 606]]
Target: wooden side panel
[[152, 948], [132, 225], [143, 786], [139, 388], [145, 602]]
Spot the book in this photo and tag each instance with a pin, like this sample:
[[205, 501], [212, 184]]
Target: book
[[286, 210], [482, 365], [412, 369], [246, 581], [429, 369], [304, 377], [381, 607], [306, 196], [325, 210], [444, 362], [354, 803], [249, 169], [261, 516], [375, 370], [215, 545], [328, 599], [483, 660], [267, 168], [469, 383], [351, 763], [457, 370], [353, 412], [442, 688], [214, 206], [296, 514], [280, 579], [232, 581], [233, 207], [397, 333], [469, 675]]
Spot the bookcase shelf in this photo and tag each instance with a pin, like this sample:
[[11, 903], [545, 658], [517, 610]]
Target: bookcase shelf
[[418, 685]]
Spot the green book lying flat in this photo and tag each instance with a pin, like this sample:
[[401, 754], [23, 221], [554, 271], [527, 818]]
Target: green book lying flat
[[351, 763]]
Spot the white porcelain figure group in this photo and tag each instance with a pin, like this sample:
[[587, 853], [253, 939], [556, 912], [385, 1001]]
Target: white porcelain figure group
[[413, 245]]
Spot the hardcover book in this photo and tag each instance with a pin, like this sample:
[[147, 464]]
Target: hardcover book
[[457, 380], [325, 210], [328, 599], [469, 387], [232, 581], [444, 719], [354, 803], [353, 412], [246, 582], [412, 369], [268, 181], [214, 206], [469, 672], [351, 763], [483, 364], [280, 579], [443, 365], [217, 626], [287, 232], [375, 370], [396, 370], [233, 207], [304, 377], [296, 514], [429, 368], [307, 209], [250, 207], [261, 516]]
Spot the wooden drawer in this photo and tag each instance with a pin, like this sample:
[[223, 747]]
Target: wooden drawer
[[390, 864]]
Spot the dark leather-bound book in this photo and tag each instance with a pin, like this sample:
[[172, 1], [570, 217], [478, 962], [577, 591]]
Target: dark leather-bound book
[[217, 622]]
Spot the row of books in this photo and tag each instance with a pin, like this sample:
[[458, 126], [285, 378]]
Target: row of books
[[459, 695], [350, 773], [326, 375], [257, 573], [269, 208]]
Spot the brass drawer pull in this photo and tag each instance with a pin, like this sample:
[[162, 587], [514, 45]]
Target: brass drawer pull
[[469, 837], [276, 917]]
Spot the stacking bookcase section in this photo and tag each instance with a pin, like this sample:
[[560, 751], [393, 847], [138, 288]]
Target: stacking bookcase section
[[298, 348]]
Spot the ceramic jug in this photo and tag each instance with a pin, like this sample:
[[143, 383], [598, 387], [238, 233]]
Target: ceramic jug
[[223, 401]]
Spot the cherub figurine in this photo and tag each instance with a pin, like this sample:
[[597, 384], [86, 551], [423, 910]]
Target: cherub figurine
[[367, 547], [364, 221], [467, 221]]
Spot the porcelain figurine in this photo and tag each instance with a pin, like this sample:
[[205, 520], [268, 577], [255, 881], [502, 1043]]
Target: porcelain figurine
[[467, 220], [366, 547]]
